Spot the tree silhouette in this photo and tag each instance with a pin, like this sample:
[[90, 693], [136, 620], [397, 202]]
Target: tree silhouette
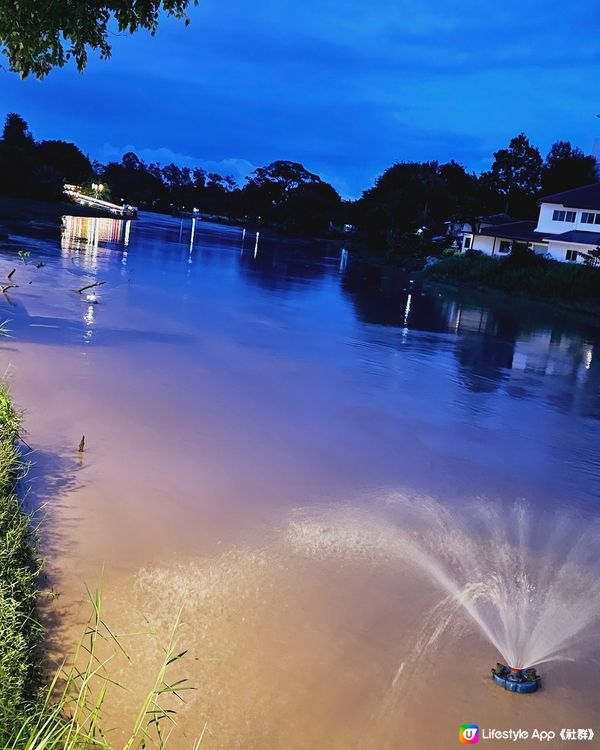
[[516, 175], [566, 167]]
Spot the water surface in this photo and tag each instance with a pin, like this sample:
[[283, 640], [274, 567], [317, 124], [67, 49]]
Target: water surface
[[241, 403]]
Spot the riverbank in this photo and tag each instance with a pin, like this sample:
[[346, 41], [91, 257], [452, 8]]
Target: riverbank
[[20, 632], [17, 213], [571, 287]]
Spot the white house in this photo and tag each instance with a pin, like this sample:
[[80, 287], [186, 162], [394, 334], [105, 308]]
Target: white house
[[568, 227]]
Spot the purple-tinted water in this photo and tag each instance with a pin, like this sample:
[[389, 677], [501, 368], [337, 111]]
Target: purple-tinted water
[[245, 404]]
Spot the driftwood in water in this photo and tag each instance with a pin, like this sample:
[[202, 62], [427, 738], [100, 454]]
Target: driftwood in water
[[9, 286], [82, 444], [90, 286], [10, 275]]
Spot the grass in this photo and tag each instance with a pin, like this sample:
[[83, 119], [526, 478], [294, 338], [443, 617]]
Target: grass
[[66, 714], [69, 716], [575, 287], [19, 630]]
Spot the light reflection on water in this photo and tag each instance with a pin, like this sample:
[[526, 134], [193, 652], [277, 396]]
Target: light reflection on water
[[222, 380]]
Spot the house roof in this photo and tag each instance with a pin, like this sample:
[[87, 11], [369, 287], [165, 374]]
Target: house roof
[[577, 236], [524, 231], [515, 230], [587, 196], [497, 219]]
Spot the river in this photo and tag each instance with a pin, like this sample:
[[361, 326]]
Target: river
[[249, 408]]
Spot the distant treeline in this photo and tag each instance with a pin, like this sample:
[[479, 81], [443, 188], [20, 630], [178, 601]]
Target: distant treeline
[[398, 216]]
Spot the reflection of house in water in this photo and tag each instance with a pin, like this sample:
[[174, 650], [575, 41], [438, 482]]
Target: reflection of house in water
[[543, 353], [494, 348], [462, 318]]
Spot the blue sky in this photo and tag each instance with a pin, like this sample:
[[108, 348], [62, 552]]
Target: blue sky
[[345, 88]]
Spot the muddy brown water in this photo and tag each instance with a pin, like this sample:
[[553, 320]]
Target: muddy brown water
[[227, 394]]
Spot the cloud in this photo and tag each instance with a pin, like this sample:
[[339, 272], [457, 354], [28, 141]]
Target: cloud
[[236, 167]]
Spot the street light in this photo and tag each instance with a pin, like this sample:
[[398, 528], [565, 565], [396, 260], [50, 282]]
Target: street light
[[97, 188]]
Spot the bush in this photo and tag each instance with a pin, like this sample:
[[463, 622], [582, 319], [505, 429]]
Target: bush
[[524, 273]]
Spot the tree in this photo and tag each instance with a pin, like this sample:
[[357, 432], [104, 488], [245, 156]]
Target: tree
[[71, 164], [267, 188], [288, 175], [566, 167], [16, 132], [17, 162], [310, 208], [516, 175], [38, 36], [406, 197], [133, 182]]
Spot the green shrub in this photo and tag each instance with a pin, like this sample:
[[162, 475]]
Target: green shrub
[[526, 274]]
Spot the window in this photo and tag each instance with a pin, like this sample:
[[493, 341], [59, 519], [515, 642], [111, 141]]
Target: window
[[467, 242], [564, 216], [589, 218], [571, 255], [504, 246], [597, 219]]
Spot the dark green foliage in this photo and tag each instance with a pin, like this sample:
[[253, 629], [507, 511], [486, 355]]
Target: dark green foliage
[[38, 170], [272, 191], [515, 176], [15, 133], [409, 196], [66, 159], [19, 631], [133, 182], [575, 286], [37, 36], [310, 208], [567, 167]]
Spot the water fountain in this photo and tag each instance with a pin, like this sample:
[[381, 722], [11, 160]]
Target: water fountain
[[528, 579]]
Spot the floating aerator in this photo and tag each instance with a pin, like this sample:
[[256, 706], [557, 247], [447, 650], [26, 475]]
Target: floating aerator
[[516, 680]]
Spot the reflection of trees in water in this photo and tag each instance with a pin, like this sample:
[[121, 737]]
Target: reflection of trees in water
[[385, 296], [281, 263], [484, 354], [498, 341], [483, 360]]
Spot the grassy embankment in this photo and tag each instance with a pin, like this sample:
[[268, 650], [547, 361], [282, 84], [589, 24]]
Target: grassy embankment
[[19, 630], [571, 286]]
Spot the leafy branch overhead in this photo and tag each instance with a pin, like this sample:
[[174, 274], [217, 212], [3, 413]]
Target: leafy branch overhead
[[37, 35]]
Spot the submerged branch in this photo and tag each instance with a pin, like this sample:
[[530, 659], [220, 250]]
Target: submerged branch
[[90, 286]]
